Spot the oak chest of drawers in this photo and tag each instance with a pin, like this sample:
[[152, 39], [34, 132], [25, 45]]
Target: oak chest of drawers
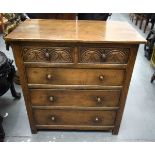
[[75, 75]]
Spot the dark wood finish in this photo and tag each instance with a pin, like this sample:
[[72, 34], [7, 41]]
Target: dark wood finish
[[141, 17], [153, 78], [7, 73], [68, 16], [80, 98], [65, 76], [63, 91], [2, 133], [150, 44], [149, 18]]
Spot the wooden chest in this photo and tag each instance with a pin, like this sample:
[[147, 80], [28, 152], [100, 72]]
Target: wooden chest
[[75, 75]]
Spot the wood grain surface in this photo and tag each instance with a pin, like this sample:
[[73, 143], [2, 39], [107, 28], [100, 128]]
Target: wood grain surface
[[75, 75], [80, 98], [75, 31]]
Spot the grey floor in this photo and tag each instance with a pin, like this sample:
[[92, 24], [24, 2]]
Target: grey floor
[[138, 123]]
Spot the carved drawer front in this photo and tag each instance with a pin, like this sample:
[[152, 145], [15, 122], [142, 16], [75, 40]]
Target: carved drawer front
[[48, 54], [83, 98], [107, 55], [74, 117], [66, 76]]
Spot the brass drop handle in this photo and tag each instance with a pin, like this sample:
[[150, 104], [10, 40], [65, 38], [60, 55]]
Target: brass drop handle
[[101, 77], [47, 55], [103, 56], [49, 76], [53, 118], [51, 98]]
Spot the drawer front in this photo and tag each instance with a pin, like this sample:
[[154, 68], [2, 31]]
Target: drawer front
[[105, 55], [48, 54], [65, 76], [74, 117], [83, 98]]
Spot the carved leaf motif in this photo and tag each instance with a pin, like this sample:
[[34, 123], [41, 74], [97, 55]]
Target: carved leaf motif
[[59, 55], [111, 55], [116, 56], [91, 56], [33, 54]]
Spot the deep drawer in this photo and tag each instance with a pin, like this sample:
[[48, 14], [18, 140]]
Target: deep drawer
[[65, 76], [77, 98], [74, 117]]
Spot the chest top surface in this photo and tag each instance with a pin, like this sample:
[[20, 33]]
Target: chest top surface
[[75, 31]]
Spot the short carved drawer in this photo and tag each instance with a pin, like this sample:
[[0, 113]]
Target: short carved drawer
[[68, 76], [74, 117], [109, 55], [48, 54], [76, 98]]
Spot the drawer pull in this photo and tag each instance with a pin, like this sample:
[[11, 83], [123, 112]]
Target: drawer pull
[[96, 119], [101, 77], [53, 118], [51, 98], [49, 76], [103, 57], [47, 55], [99, 99]]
